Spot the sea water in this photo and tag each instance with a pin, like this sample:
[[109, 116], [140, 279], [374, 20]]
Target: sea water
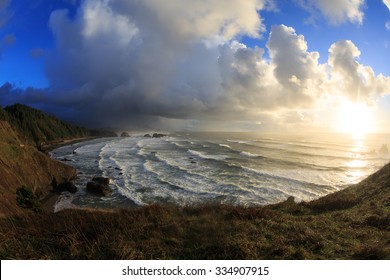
[[230, 168]]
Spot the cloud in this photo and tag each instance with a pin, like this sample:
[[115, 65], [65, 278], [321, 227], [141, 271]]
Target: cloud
[[201, 20], [387, 3], [387, 25], [147, 63], [146, 56], [336, 11], [350, 78]]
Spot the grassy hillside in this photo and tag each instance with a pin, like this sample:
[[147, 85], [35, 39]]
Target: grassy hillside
[[39, 127], [22, 130], [22, 164], [351, 224]]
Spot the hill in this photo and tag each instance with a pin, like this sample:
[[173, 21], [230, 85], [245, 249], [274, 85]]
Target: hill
[[22, 130], [22, 164], [38, 127]]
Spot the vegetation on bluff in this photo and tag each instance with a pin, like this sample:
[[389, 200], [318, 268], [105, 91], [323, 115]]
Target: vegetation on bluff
[[39, 127]]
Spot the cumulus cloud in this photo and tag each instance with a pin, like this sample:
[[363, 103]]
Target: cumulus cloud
[[198, 19], [337, 11], [352, 79], [155, 60], [122, 63]]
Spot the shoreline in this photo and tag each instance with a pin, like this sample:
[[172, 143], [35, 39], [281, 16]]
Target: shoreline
[[50, 200], [55, 145]]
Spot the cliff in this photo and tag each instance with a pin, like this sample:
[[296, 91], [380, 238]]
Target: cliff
[[21, 163]]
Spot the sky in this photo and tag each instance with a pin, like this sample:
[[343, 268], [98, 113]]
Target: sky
[[232, 65]]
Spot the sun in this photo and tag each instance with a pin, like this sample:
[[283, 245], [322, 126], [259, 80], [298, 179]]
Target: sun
[[355, 119]]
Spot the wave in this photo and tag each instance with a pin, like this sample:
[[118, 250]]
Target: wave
[[208, 156], [225, 146], [238, 141], [247, 154], [307, 188]]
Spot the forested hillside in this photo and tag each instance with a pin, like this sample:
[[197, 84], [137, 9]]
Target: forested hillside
[[39, 127]]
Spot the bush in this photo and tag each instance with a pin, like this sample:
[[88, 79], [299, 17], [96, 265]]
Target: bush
[[25, 198]]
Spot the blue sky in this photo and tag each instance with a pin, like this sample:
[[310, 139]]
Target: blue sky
[[28, 23], [72, 52]]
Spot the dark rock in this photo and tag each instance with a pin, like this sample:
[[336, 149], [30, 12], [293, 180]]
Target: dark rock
[[98, 188], [193, 162], [101, 180], [158, 135], [125, 134], [147, 136], [64, 187], [290, 199], [117, 168]]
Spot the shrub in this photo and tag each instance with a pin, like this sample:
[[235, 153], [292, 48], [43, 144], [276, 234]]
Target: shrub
[[25, 198]]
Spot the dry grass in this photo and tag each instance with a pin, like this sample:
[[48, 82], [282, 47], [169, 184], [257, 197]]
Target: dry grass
[[207, 232]]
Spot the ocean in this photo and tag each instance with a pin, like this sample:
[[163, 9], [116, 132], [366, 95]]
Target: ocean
[[230, 168]]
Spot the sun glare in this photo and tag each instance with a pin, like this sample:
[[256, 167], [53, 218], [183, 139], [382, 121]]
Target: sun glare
[[355, 119]]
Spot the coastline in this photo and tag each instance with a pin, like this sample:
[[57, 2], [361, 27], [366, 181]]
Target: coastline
[[109, 169], [352, 223], [55, 145], [50, 200]]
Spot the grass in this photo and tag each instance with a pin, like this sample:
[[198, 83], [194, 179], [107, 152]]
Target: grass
[[204, 232]]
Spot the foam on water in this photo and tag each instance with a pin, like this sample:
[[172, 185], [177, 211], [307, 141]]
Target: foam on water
[[207, 156], [189, 169], [247, 154]]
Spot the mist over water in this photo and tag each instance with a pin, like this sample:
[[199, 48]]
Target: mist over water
[[230, 168]]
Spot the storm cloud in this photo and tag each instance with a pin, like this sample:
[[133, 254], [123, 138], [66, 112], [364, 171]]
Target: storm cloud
[[121, 63]]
